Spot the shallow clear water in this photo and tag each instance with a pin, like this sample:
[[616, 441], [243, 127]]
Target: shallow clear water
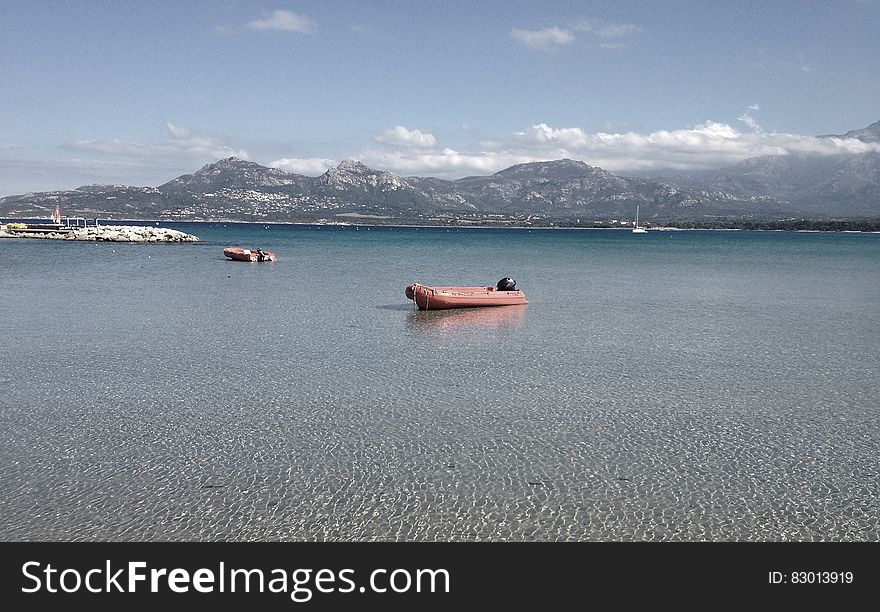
[[668, 386]]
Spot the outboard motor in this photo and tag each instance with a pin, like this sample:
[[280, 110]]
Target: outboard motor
[[506, 284]]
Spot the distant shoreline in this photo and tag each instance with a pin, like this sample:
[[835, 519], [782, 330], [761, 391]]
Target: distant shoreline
[[869, 226]]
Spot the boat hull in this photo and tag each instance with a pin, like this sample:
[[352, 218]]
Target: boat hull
[[242, 254], [439, 298]]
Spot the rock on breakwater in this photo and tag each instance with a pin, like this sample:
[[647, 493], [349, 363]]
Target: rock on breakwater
[[102, 233]]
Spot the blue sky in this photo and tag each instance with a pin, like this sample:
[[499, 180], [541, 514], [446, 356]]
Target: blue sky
[[141, 92]]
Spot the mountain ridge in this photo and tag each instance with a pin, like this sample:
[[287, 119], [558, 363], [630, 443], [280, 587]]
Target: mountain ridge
[[563, 190], [866, 134]]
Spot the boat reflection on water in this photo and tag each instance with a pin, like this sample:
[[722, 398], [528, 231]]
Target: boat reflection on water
[[466, 319]]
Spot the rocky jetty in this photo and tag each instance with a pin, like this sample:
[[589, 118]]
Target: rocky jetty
[[99, 233]]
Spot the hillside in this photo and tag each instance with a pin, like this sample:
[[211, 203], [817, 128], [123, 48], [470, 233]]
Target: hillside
[[845, 186], [236, 189]]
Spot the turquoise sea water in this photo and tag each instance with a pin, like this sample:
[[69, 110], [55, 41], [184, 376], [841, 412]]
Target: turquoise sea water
[[691, 385]]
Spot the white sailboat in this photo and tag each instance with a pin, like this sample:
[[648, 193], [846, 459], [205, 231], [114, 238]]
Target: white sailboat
[[638, 229]]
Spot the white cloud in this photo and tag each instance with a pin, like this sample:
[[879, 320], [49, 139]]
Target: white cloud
[[446, 163], [309, 167], [402, 136], [604, 29], [286, 21], [749, 120], [544, 40], [710, 144], [183, 143], [707, 145], [554, 37]]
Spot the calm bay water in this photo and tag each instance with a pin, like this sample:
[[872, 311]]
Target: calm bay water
[[668, 386]]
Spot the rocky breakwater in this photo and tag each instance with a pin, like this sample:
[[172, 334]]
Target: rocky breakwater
[[99, 233]]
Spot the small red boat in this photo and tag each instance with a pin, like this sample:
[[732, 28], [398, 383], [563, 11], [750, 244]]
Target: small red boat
[[241, 254], [504, 293]]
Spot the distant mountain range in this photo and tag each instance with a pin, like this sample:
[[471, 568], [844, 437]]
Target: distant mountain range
[[761, 188], [816, 186]]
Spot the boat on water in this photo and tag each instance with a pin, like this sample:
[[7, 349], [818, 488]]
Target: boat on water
[[242, 254], [639, 229], [504, 293]]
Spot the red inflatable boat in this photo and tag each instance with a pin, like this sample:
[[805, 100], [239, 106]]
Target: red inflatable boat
[[240, 254], [436, 298]]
